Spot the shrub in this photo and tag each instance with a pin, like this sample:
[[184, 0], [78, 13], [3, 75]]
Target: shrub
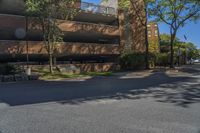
[[132, 61], [162, 59], [7, 69]]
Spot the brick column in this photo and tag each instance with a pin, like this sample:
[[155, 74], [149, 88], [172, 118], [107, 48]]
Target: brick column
[[138, 27], [121, 18]]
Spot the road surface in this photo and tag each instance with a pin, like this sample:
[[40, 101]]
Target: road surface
[[139, 102]]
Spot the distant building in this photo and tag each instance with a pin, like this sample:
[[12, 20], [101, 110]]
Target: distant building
[[110, 3], [153, 36]]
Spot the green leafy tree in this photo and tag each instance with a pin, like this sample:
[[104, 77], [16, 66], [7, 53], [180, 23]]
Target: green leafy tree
[[165, 42], [47, 13], [188, 49], [175, 13]]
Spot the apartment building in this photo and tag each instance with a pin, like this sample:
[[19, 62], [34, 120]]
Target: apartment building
[[95, 35], [153, 36]]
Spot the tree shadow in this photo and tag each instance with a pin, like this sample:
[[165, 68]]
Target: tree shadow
[[192, 69], [180, 91]]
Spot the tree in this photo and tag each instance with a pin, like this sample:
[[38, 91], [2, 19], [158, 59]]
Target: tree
[[47, 13], [191, 50], [188, 49], [165, 42], [175, 13]]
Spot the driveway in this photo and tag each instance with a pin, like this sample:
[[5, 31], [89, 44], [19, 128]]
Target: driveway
[[138, 102]]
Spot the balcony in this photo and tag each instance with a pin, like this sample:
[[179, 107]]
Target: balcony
[[90, 7], [12, 50], [74, 26], [72, 29], [96, 13], [88, 12], [17, 7]]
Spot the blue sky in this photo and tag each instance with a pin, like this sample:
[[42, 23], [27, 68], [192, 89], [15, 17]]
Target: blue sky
[[191, 30], [92, 1]]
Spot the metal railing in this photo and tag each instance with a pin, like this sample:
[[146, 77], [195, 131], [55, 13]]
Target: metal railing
[[90, 7]]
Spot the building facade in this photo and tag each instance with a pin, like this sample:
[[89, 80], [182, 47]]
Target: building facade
[[153, 37], [96, 34]]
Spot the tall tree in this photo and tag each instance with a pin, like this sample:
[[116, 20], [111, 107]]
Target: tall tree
[[189, 50], [175, 13], [47, 13]]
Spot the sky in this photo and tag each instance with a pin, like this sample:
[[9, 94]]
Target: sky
[[191, 30]]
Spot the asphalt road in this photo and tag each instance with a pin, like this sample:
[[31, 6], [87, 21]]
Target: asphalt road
[[156, 102]]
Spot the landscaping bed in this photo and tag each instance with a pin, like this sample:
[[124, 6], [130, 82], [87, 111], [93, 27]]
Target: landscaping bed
[[44, 74], [13, 73], [18, 77]]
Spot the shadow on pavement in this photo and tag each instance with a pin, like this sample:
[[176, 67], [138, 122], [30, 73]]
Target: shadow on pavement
[[181, 91]]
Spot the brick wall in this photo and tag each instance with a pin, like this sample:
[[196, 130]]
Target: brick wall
[[138, 28], [10, 23], [19, 47], [153, 36]]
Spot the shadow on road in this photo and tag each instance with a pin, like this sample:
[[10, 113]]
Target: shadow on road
[[181, 91]]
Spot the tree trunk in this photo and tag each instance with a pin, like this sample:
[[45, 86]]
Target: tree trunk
[[50, 57], [51, 63], [146, 39], [147, 48], [172, 50], [54, 61], [172, 56]]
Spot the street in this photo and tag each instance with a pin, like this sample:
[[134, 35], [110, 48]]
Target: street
[[135, 102]]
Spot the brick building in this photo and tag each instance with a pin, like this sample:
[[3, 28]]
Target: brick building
[[153, 36], [96, 34]]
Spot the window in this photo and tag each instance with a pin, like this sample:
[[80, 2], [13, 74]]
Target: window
[[156, 32]]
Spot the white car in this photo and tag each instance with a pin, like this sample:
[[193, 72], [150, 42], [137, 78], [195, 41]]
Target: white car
[[197, 61]]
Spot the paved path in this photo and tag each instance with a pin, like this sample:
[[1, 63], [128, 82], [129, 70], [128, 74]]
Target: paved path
[[126, 103]]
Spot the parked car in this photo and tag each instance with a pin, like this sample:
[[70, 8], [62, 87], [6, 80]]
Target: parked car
[[197, 61]]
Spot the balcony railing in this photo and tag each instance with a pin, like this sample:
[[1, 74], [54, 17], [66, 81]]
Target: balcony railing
[[89, 7]]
